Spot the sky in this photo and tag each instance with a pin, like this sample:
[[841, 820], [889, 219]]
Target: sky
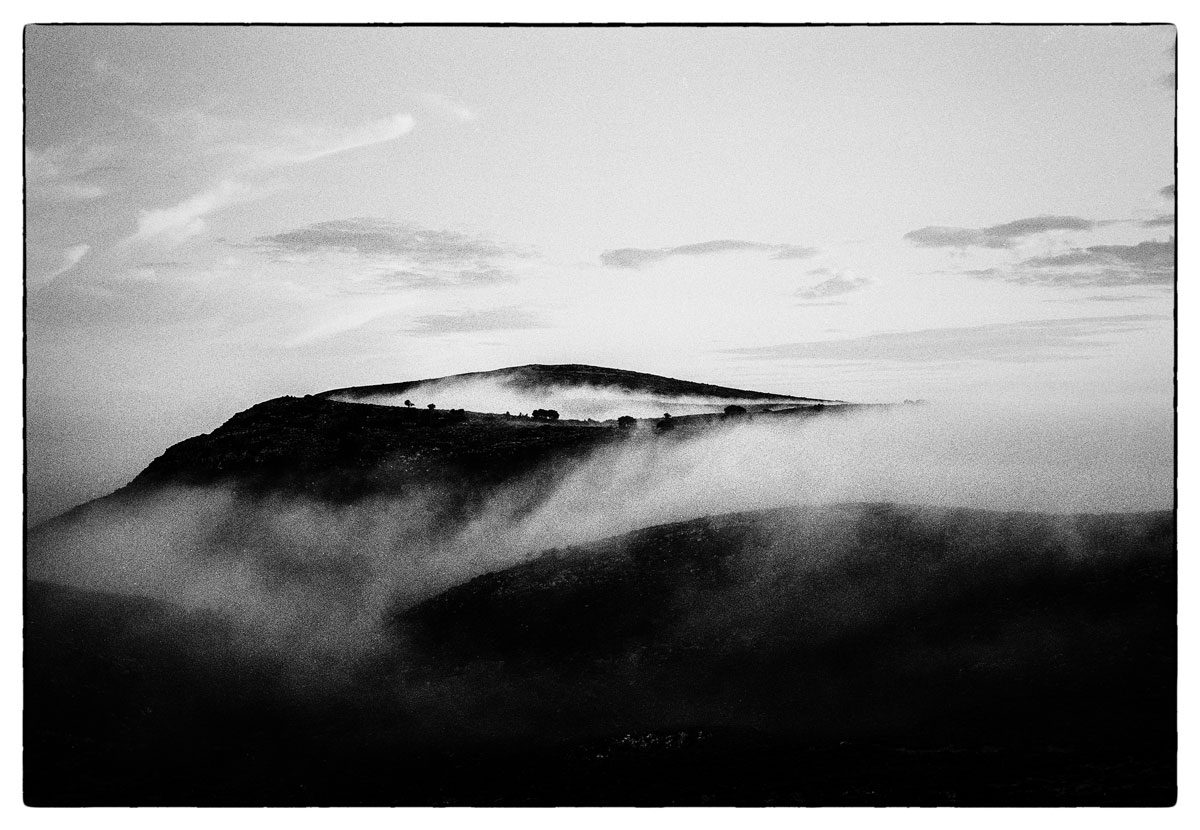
[[218, 216]]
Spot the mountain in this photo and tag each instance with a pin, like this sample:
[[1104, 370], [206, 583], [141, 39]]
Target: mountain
[[330, 602], [535, 377], [860, 654], [328, 447]]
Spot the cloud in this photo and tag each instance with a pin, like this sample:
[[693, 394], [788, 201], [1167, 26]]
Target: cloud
[[495, 319], [105, 72], [447, 106], [67, 174], [638, 257], [259, 148], [1146, 263], [391, 255], [174, 224], [1159, 221], [1116, 298], [339, 319], [835, 286], [382, 237], [995, 236], [466, 277], [1167, 192], [312, 147], [70, 258], [1023, 342]]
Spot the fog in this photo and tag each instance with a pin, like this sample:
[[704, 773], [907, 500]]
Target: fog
[[317, 578], [924, 454], [578, 402]]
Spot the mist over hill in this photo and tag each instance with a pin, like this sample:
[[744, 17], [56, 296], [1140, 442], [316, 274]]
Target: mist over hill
[[843, 603], [576, 391]]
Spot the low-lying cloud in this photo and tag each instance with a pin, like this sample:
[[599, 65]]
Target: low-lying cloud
[[577, 402], [316, 577]]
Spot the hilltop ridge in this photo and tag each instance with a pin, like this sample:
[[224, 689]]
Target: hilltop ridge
[[534, 376]]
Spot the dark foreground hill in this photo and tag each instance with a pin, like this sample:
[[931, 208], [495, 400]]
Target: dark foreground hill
[[862, 654]]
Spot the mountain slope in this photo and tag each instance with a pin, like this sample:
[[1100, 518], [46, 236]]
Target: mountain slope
[[849, 655], [338, 445], [343, 451], [960, 632]]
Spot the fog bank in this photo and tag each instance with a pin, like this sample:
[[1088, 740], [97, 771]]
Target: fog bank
[[578, 402]]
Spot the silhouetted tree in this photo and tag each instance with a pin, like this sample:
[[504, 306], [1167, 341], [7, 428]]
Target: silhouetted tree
[[626, 421], [546, 414], [734, 411], [433, 406], [408, 403]]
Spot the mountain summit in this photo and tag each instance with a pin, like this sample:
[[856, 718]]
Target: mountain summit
[[534, 377]]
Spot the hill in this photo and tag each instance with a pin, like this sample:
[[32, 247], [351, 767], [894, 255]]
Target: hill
[[535, 377], [306, 633], [327, 447], [849, 655]]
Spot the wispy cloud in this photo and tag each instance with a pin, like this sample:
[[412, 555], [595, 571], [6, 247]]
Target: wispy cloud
[[67, 174], [253, 158], [639, 257], [1167, 192], [1022, 342], [300, 145], [174, 224], [400, 254], [495, 319], [339, 319], [447, 106], [248, 148], [71, 257], [383, 237], [1159, 221], [834, 286], [996, 236], [1115, 298]]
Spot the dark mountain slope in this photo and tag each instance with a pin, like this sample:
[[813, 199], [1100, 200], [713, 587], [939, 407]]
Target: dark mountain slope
[[955, 631], [342, 451], [535, 376], [862, 654]]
